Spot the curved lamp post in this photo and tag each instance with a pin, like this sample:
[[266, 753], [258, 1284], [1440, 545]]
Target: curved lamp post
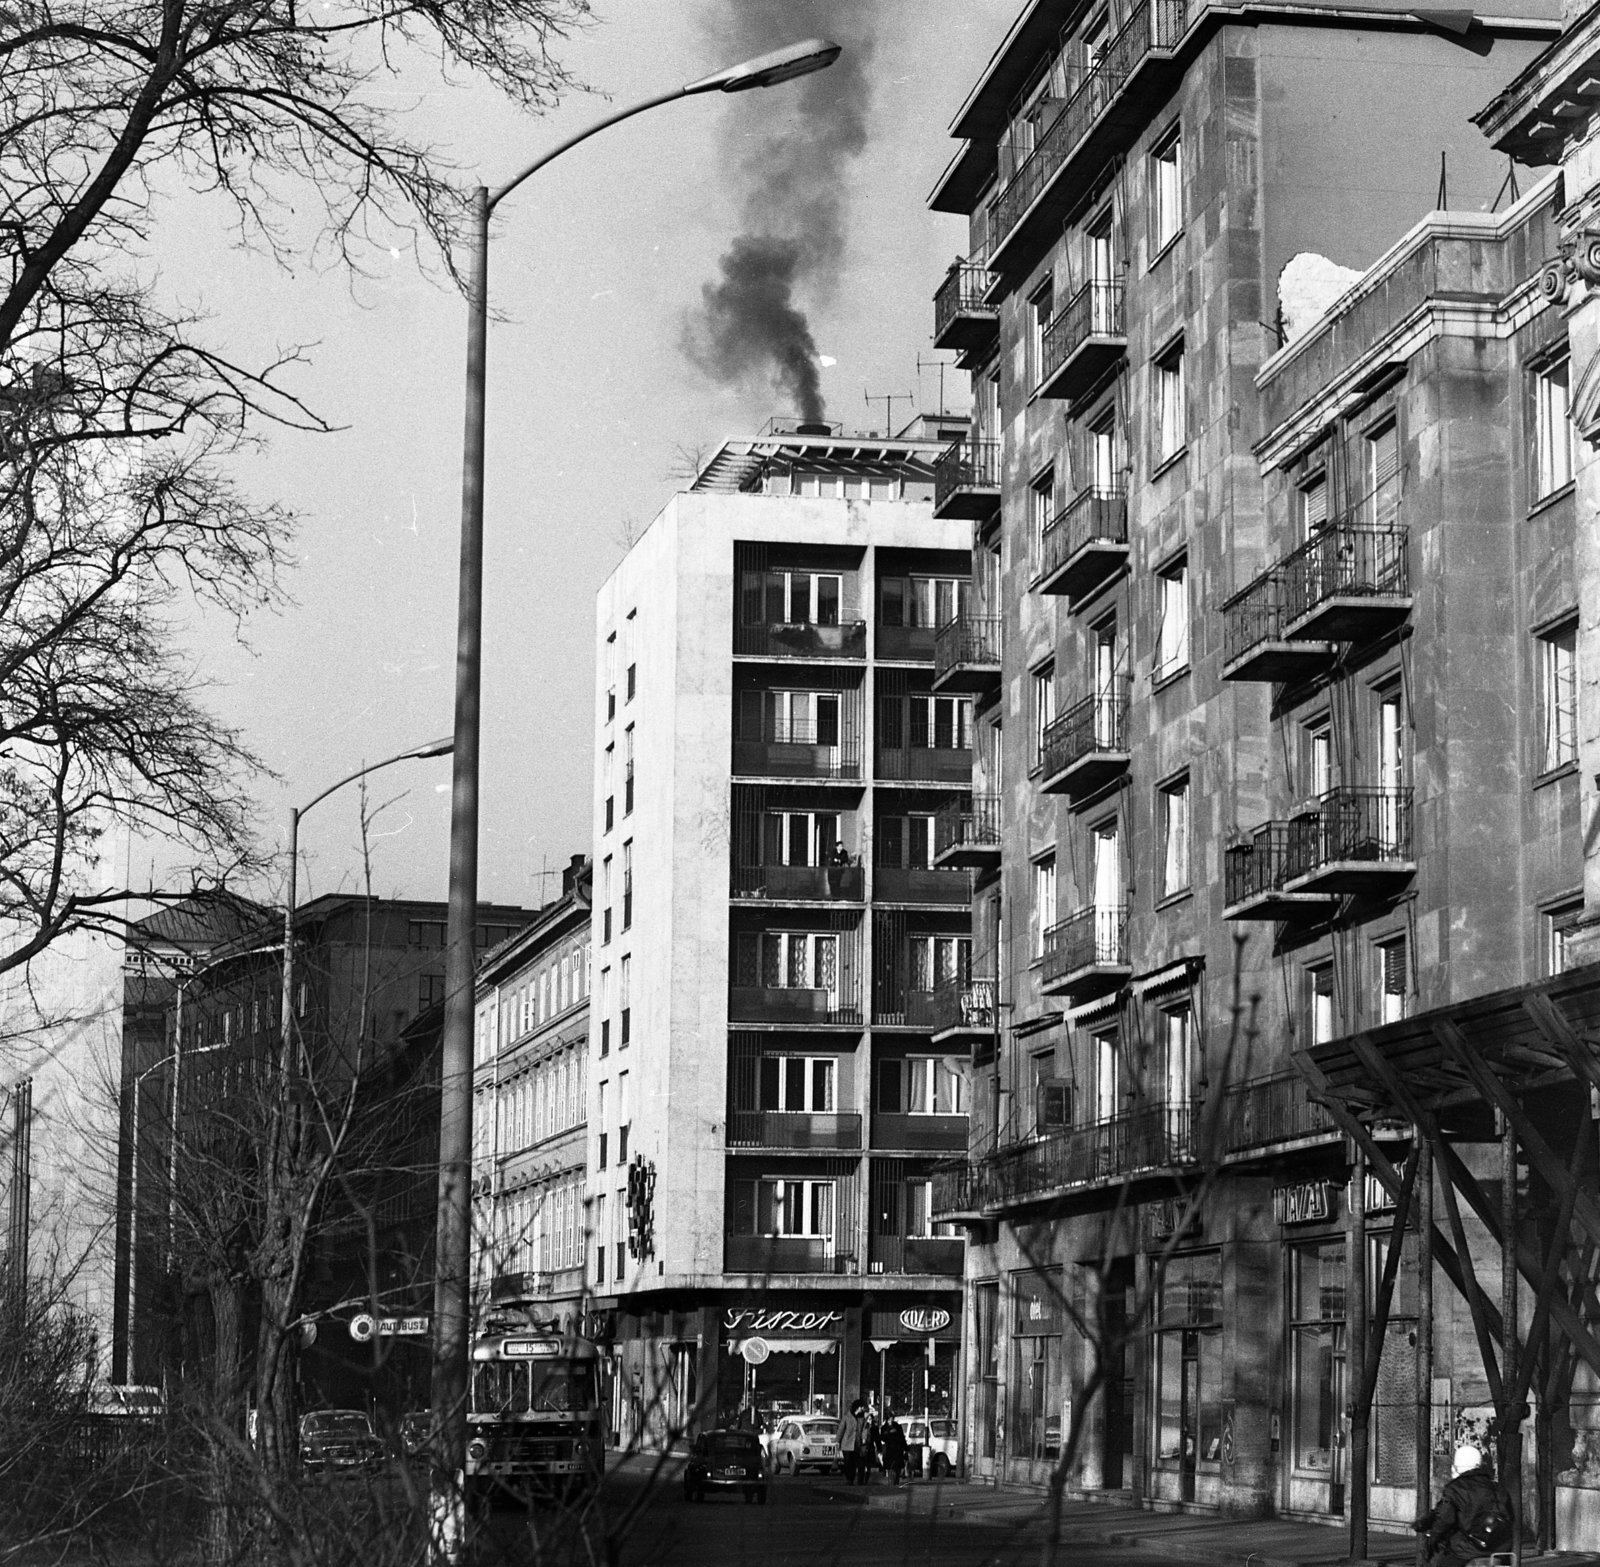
[[452, 1245]]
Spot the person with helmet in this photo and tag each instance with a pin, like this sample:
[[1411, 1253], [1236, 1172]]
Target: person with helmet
[[1473, 1516]]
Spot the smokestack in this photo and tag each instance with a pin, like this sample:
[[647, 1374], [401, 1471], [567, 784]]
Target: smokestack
[[791, 157]]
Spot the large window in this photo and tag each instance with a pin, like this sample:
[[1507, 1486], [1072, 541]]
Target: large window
[[1552, 428], [905, 842], [1166, 193], [1172, 639], [1317, 1357], [1177, 1039], [784, 1207], [938, 960], [1044, 708], [1381, 507], [939, 723], [1558, 696], [798, 1083], [1044, 900], [1171, 405], [1175, 837], [795, 598], [923, 601], [1042, 506], [788, 960], [790, 717], [1037, 1387], [922, 1085], [1107, 1076], [1188, 1432], [806, 838]]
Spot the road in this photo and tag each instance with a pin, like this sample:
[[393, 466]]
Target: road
[[805, 1521]]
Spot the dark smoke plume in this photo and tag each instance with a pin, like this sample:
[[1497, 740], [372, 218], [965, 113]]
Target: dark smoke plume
[[791, 154]]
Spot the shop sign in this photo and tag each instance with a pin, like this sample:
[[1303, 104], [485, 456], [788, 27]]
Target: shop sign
[[1379, 1198], [1162, 1219], [924, 1319], [1309, 1202], [1038, 1304], [364, 1326], [760, 1319]]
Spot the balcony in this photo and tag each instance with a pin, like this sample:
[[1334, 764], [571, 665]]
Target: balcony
[[937, 886], [781, 639], [796, 751], [1347, 584], [1086, 955], [1086, 545], [1088, 336], [922, 1133], [906, 644], [791, 1004], [1254, 874], [1099, 119], [966, 833], [783, 1254], [1149, 1143], [1357, 841], [966, 481], [1255, 644], [1087, 747], [962, 321], [966, 655], [800, 883], [794, 1129], [1269, 1114], [959, 1009], [943, 1255], [958, 1192], [924, 764]]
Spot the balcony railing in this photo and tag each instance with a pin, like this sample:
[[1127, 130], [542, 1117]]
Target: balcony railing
[[966, 480], [967, 832], [1086, 544], [793, 1129], [1255, 643], [1088, 336], [923, 1133], [1254, 874], [1087, 747], [924, 764], [801, 883], [957, 1190], [961, 319], [1150, 26], [1347, 584], [940, 1254], [966, 654], [1087, 953], [1356, 840], [796, 751], [958, 1006], [790, 1004], [937, 885], [1147, 1142], [783, 1254], [781, 639], [907, 643], [1267, 1112]]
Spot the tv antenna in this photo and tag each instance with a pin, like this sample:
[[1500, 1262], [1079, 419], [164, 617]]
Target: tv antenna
[[941, 365], [888, 399]]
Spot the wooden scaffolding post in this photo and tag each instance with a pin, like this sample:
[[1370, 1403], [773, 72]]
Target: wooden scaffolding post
[[1510, 1442], [1355, 1355], [1424, 1338]]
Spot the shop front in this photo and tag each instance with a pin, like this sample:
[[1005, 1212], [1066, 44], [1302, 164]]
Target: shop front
[[909, 1360], [782, 1360]]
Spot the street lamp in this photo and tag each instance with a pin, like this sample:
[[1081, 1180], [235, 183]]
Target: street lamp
[[452, 1244], [286, 1030]]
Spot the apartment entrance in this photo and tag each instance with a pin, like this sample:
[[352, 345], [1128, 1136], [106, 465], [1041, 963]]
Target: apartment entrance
[[1116, 1324], [1318, 1376]]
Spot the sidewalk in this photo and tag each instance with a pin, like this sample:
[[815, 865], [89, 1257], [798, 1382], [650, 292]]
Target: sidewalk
[[1179, 1537]]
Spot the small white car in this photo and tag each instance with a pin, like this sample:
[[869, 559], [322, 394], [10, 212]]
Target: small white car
[[943, 1449], [804, 1442]]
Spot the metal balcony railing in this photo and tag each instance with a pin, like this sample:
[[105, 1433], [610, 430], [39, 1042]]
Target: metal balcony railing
[[1265, 863], [957, 1003], [796, 750], [945, 886], [1096, 310], [1254, 615], [966, 466], [783, 1254], [957, 1189], [1143, 1143], [794, 1129], [925, 764], [1351, 823], [1094, 937], [792, 1004], [960, 312], [969, 642], [781, 639], [940, 1254], [1097, 723], [804, 883], [968, 824], [1266, 1111], [1345, 562], [1097, 515]]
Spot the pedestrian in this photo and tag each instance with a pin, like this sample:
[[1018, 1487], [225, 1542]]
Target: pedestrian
[[867, 1456], [894, 1452], [850, 1441], [1473, 1516]]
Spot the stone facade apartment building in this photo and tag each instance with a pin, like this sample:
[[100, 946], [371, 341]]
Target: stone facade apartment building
[[778, 1055], [1278, 800]]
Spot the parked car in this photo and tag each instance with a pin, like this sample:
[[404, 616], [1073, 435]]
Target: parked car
[[805, 1442], [414, 1427], [943, 1449], [338, 1439], [726, 1461]]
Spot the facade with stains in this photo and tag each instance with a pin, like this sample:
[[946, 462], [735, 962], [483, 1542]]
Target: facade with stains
[[1280, 776]]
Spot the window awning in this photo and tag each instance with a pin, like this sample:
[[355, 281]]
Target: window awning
[[786, 1346]]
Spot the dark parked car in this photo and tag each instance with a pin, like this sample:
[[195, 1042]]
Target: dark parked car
[[335, 1439], [726, 1461]]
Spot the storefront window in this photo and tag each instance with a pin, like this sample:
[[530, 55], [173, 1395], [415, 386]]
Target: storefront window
[[987, 1297], [1038, 1391], [1317, 1326], [1189, 1363]]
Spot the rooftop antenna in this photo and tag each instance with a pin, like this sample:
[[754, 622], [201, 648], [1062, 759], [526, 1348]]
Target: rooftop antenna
[[928, 364], [1444, 198], [888, 399], [1508, 183]]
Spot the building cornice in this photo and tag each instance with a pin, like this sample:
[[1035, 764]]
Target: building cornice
[[1551, 100]]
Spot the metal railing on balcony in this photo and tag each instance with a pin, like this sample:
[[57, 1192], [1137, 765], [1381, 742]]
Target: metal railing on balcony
[[969, 642], [957, 1003], [960, 312], [1098, 723], [1146, 1142], [1151, 25], [972, 825], [924, 764], [940, 1254], [791, 1004], [801, 883], [1096, 310], [1263, 864], [1351, 823], [945, 887], [1095, 937], [957, 1189], [966, 466], [794, 1129], [1254, 615], [1342, 562], [796, 750], [922, 1133], [1097, 515], [781, 639], [910, 643], [1266, 1111], [783, 1254]]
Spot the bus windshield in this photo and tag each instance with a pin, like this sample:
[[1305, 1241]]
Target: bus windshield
[[524, 1387]]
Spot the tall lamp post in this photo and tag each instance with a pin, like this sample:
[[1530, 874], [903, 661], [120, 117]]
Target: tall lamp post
[[452, 1245]]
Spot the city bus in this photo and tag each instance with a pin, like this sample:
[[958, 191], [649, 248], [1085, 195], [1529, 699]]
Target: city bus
[[534, 1426]]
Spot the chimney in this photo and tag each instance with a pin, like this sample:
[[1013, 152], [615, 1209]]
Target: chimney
[[569, 877]]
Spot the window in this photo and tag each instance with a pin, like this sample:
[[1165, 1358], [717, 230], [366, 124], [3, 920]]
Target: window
[[605, 899], [1041, 504], [1393, 981], [600, 1117], [1103, 455], [623, 1118], [1558, 696], [611, 677], [630, 629], [1172, 643], [1175, 837], [1391, 771], [608, 785], [1319, 1003], [1041, 307], [430, 992], [1044, 901], [1166, 193], [794, 598], [1044, 708], [627, 771], [627, 885], [784, 1207], [788, 960], [1317, 1312], [1559, 924], [605, 1010], [790, 717], [905, 842], [1171, 409], [798, 1083], [1107, 1076], [1177, 1042], [600, 1238], [939, 960], [1318, 757], [1381, 506], [1189, 1363], [1553, 435], [920, 722], [929, 602], [801, 838], [1313, 505], [625, 998], [1052, 1097], [922, 1085]]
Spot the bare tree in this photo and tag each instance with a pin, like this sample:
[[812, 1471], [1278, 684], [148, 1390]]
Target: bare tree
[[117, 419]]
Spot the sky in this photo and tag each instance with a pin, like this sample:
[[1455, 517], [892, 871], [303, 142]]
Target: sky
[[597, 266]]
